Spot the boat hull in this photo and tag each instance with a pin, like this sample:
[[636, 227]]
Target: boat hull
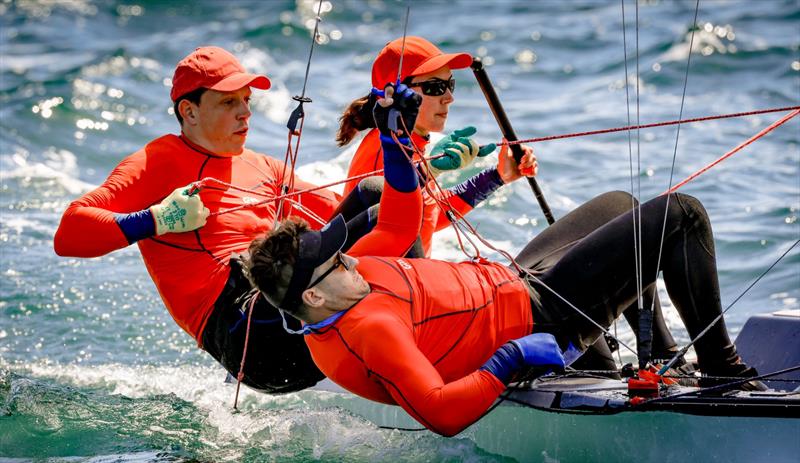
[[530, 434]]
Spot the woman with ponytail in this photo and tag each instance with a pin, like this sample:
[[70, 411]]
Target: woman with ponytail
[[428, 71]]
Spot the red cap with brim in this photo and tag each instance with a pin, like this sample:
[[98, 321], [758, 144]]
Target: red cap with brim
[[213, 68], [419, 57]]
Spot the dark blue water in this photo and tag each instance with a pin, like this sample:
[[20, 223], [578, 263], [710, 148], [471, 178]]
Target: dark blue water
[[91, 364]]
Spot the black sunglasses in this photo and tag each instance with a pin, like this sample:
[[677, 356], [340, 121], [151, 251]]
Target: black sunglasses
[[338, 262], [435, 86]]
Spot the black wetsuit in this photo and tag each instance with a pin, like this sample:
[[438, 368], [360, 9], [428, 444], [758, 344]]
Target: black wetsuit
[[596, 272]]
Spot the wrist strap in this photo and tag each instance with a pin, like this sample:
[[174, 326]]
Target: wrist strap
[[398, 170], [136, 225], [505, 362], [478, 187]]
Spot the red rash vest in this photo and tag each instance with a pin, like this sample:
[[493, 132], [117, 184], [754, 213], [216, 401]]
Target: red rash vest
[[427, 326]]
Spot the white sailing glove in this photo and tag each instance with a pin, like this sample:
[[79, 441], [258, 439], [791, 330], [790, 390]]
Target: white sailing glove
[[179, 212]]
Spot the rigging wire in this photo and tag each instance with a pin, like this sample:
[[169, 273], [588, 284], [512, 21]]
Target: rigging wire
[[642, 362], [639, 271], [636, 250], [298, 115], [289, 162], [403, 46]]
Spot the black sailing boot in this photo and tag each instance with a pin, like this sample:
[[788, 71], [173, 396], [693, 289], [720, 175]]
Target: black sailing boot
[[732, 367]]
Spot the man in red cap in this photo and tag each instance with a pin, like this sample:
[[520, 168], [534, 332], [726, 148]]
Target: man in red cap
[[186, 237]]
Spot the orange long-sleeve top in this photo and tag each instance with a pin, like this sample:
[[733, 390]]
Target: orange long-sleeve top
[[369, 158], [189, 269], [419, 338]]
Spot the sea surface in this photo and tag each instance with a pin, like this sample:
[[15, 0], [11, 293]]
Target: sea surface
[[92, 367]]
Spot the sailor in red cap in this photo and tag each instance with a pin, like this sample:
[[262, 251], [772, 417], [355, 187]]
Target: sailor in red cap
[[429, 72], [187, 248]]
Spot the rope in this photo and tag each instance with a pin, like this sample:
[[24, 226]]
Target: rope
[[796, 110], [240, 375], [730, 153], [649, 126], [290, 163]]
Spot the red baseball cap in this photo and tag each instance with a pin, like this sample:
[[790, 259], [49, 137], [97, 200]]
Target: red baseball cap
[[419, 57], [213, 68]]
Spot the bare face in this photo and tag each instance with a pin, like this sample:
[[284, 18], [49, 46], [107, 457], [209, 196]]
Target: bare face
[[433, 111], [220, 122], [340, 289]]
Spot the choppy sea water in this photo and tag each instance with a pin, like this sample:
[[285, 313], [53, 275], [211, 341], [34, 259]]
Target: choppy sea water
[[92, 368]]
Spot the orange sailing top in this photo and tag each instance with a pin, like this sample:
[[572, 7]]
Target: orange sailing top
[[369, 157], [419, 338], [189, 269]]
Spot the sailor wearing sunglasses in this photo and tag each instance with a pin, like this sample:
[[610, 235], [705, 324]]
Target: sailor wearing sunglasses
[[429, 72]]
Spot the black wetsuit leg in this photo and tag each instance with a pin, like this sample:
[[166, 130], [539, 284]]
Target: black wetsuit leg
[[360, 211], [366, 194], [550, 245], [277, 362], [597, 276]]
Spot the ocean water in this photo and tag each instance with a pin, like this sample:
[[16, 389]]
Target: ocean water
[[92, 368]]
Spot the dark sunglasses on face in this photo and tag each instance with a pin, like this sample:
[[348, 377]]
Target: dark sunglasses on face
[[337, 262], [435, 86]]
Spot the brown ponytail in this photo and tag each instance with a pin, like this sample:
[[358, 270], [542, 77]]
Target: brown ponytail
[[357, 117]]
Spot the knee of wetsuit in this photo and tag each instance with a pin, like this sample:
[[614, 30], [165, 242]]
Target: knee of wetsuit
[[369, 190], [694, 210], [623, 198], [416, 251], [690, 205]]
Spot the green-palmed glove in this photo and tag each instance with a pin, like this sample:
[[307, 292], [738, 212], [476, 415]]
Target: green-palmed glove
[[179, 212], [457, 150]]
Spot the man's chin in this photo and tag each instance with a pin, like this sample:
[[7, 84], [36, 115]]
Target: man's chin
[[233, 151]]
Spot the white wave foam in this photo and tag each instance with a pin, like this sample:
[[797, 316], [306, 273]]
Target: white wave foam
[[59, 165], [705, 43], [276, 426], [17, 225]]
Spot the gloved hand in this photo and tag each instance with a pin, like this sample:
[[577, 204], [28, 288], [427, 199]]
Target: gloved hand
[[459, 151], [397, 112], [179, 212], [538, 349]]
